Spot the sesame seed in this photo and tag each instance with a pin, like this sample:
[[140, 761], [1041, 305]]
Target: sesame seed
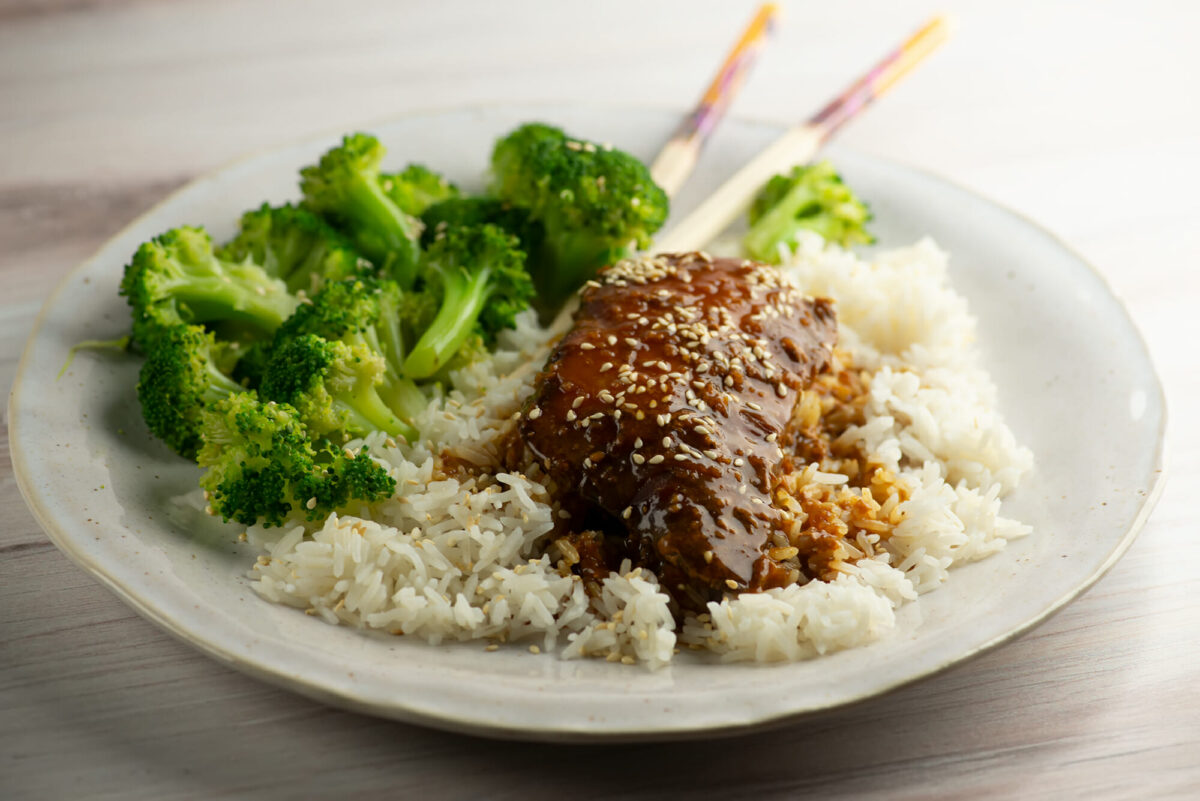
[[731, 584], [627, 513], [638, 458], [534, 413], [657, 459]]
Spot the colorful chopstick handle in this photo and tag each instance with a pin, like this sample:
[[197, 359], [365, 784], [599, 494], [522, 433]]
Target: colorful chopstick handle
[[677, 158], [732, 74], [798, 144], [881, 77]]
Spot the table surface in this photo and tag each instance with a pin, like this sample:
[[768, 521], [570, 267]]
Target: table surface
[[1079, 115]]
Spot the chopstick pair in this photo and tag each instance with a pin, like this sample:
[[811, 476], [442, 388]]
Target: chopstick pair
[[796, 146]]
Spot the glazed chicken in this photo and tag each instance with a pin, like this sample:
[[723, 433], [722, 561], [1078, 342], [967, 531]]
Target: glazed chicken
[[662, 415]]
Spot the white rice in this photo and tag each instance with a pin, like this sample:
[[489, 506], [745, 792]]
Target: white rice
[[459, 559]]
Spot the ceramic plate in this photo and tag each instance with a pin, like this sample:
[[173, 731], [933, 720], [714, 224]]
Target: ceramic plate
[[1075, 381]]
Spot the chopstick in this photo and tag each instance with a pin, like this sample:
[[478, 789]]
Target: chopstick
[[678, 157], [800, 143]]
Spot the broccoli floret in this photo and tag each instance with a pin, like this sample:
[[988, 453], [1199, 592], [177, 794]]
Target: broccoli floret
[[596, 203], [184, 372], [477, 274], [479, 210], [347, 188], [252, 362], [378, 315], [416, 188], [295, 245], [262, 466], [176, 278], [333, 386], [811, 197]]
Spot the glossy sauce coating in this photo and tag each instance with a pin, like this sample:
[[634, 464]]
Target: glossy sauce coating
[[662, 414]]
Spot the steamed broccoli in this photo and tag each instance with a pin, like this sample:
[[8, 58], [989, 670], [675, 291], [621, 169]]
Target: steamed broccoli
[[416, 188], [252, 362], [375, 314], [477, 275], [479, 210], [176, 278], [346, 187], [183, 372], [295, 245], [597, 203], [333, 386], [810, 197], [262, 465]]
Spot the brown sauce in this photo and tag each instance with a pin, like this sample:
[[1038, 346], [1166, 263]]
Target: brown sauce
[[663, 415]]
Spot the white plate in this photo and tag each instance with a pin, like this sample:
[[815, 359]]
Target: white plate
[[1075, 380]]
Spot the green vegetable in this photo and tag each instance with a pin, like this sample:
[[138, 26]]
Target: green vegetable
[[477, 274], [252, 362], [180, 376], [479, 210], [261, 465], [314, 324], [810, 197], [177, 278], [415, 188], [120, 345], [377, 315], [347, 188], [295, 245], [597, 204], [333, 386]]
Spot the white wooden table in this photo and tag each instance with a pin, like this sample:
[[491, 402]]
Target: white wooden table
[[1083, 116]]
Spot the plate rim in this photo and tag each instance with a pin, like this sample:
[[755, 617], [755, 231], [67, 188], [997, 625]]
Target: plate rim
[[559, 731]]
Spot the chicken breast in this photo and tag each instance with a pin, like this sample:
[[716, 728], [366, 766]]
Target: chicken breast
[[662, 415]]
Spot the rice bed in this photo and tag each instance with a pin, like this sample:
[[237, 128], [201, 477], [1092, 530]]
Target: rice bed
[[452, 559]]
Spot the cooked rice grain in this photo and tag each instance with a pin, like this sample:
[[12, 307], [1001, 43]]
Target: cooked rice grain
[[455, 558]]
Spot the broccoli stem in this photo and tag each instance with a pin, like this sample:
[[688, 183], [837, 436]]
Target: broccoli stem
[[764, 237], [217, 299], [366, 410], [219, 384], [403, 396], [372, 210], [462, 303]]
